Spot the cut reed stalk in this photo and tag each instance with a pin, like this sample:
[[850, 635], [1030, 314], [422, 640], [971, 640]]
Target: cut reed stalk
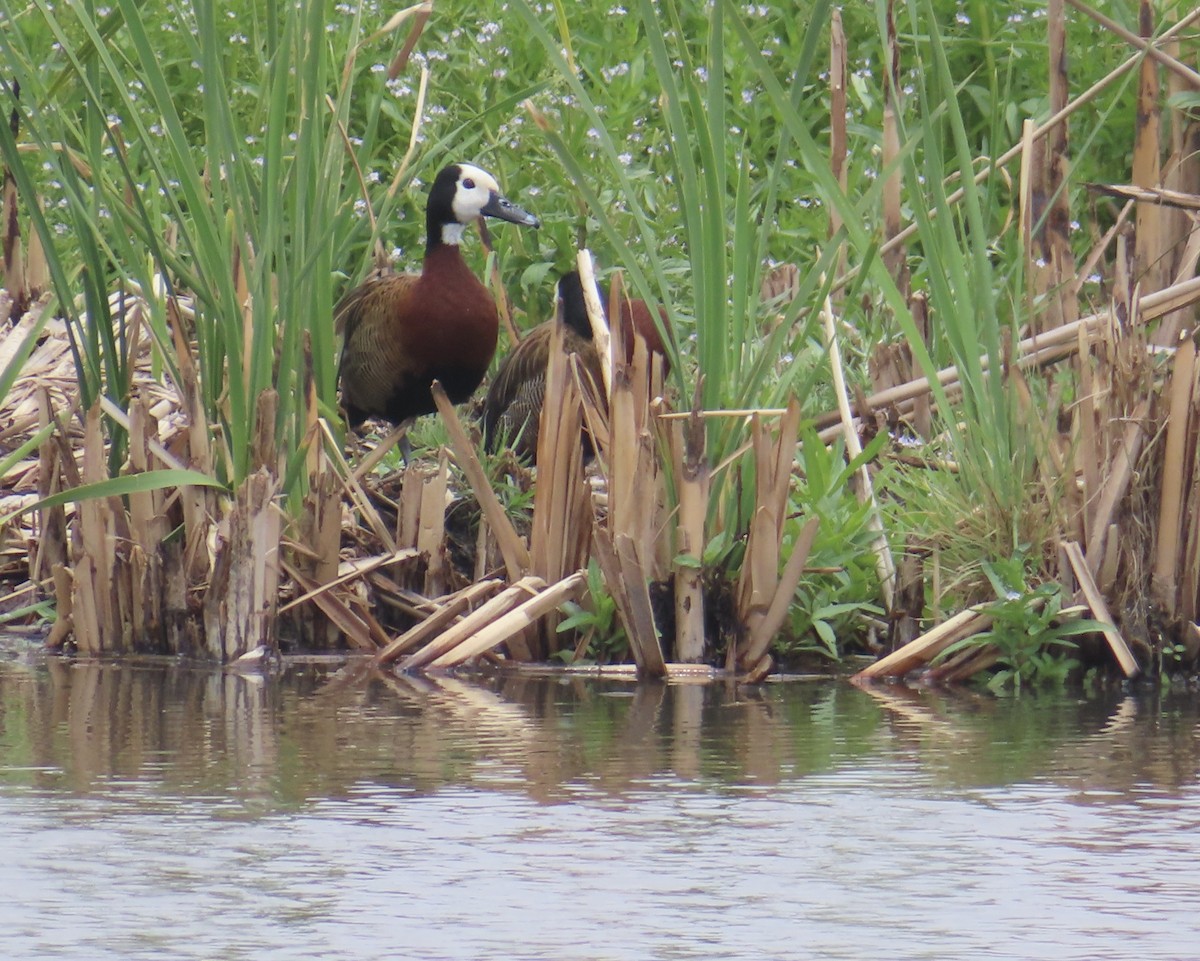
[[513, 625], [240, 604], [1115, 486], [895, 255], [1181, 416], [445, 614], [929, 645], [362, 631], [692, 478], [625, 579], [431, 525], [759, 583], [492, 609], [561, 523], [512, 547], [1095, 600], [762, 634], [884, 564]]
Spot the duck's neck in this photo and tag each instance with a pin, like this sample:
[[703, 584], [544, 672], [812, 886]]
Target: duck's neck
[[446, 262], [439, 233]]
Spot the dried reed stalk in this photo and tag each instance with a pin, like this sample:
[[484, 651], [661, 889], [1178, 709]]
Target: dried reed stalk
[[1180, 173], [377, 453], [763, 632], [64, 622], [928, 646], [445, 614], [148, 530], [239, 606], [692, 478], [838, 138], [560, 505], [431, 525], [362, 631], [625, 544], [353, 490], [884, 564], [895, 256], [1032, 351], [1083, 100], [1087, 464], [320, 526], [492, 609], [1181, 417], [760, 585], [1149, 195], [351, 571], [625, 580], [1149, 254], [1116, 485], [515, 623], [601, 329], [964, 665], [1095, 600], [25, 275], [50, 549], [97, 626], [1189, 606], [512, 547], [1062, 307], [1146, 45], [561, 524]]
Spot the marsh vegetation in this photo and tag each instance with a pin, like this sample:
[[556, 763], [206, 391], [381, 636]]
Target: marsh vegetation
[[927, 271]]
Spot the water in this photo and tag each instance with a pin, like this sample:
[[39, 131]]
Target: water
[[160, 811]]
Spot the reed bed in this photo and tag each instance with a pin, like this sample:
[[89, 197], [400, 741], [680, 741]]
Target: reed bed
[[916, 439]]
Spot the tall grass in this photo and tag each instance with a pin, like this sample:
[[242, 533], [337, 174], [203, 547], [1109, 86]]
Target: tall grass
[[170, 206], [238, 196]]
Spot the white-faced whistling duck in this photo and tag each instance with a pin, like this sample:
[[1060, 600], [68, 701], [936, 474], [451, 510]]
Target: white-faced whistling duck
[[513, 405], [403, 331]]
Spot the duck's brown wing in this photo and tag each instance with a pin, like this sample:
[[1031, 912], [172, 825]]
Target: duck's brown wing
[[514, 398], [373, 348], [513, 408]]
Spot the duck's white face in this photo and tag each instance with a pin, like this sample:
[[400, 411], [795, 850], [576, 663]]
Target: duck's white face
[[474, 191]]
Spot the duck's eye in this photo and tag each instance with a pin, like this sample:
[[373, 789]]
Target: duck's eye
[[469, 184]]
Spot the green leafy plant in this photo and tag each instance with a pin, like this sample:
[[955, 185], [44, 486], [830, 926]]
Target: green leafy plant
[[829, 607], [1031, 630], [596, 620]]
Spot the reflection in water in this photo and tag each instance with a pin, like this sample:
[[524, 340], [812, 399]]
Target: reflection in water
[[280, 741], [157, 810]]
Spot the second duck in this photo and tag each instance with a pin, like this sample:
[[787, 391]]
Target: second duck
[[513, 407]]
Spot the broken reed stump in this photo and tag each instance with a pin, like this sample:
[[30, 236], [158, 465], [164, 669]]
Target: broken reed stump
[[692, 473], [560, 536], [625, 539], [765, 592]]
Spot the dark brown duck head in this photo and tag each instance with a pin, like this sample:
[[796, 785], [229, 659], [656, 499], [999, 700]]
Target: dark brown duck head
[[403, 331]]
